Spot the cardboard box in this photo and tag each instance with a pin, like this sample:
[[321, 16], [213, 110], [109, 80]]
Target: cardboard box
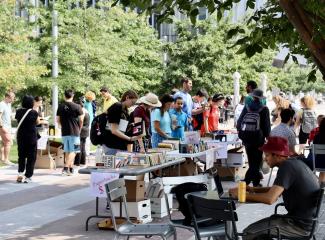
[[227, 173], [158, 205], [44, 161], [234, 160], [135, 190], [140, 210], [187, 168]]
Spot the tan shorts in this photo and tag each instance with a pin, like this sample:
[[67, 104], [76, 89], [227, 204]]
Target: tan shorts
[[5, 136]]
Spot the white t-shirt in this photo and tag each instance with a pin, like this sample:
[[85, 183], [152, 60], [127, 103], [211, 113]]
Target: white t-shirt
[[5, 109]]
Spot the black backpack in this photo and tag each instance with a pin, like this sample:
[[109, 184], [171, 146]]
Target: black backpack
[[180, 191], [250, 131], [97, 130]]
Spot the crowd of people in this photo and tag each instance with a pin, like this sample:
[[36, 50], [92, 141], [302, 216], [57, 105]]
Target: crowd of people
[[136, 124], [166, 117]]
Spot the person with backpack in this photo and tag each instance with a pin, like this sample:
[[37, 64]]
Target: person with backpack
[[254, 127], [306, 120], [115, 137]]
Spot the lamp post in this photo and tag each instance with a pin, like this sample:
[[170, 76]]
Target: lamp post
[[236, 76], [263, 84], [55, 64]]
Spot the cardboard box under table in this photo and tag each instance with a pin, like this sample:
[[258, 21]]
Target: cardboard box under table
[[159, 206], [134, 190], [140, 210], [51, 157]]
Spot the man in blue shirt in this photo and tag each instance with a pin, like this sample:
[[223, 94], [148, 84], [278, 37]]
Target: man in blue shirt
[[188, 106], [179, 119]]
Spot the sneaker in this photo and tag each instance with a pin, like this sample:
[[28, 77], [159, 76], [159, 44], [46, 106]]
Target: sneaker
[[8, 163], [27, 180], [71, 170], [65, 172], [19, 178]]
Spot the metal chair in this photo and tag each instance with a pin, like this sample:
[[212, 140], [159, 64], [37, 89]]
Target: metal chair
[[169, 183], [178, 223], [222, 210], [318, 199], [116, 190], [318, 149]]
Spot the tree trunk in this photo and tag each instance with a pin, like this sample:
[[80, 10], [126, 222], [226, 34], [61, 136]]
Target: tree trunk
[[305, 27]]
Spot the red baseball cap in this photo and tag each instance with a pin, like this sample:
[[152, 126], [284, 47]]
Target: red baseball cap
[[276, 145]]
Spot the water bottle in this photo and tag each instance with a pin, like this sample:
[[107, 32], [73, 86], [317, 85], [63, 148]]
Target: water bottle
[[242, 191], [99, 154]]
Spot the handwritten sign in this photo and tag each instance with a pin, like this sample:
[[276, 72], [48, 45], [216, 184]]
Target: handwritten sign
[[192, 137], [209, 160], [222, 152], [98, 181], [42, 143]]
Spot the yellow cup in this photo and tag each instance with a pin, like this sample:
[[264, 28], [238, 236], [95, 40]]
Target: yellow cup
[[242, 192]]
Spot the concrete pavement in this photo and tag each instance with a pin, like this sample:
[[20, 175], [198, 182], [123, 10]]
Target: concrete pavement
[[56, 207]]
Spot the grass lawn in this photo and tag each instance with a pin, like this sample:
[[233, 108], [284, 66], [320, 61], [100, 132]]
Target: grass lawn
[[14, 153], [13, 157]]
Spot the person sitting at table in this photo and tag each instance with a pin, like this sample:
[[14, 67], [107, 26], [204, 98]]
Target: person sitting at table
[[294, 181], [284, 130]]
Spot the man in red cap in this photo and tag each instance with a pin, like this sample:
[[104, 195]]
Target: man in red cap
[[294, 181]]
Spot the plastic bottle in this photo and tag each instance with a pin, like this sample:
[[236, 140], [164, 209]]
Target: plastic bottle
[[242, 191], [237, 176], [99, 154]]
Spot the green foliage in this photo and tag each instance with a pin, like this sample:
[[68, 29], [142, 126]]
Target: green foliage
[[269, 27], [96, 47], [19, 63], [205, 54]]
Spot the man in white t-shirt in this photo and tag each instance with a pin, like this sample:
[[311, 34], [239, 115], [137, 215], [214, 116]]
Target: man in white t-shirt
[[5, 127]]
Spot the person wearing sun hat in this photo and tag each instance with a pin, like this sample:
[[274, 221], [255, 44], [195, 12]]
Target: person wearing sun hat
[[294, 181], [142, 113]]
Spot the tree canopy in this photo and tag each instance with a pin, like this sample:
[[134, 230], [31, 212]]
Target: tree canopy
[[296, 24], [206, 55]]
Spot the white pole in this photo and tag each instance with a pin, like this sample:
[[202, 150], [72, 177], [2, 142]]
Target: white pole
[[55, 65], [236, 76], [263, 84]]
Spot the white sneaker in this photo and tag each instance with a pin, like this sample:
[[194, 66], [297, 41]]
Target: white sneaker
[[20, 177], [8, 163], [27, 180]]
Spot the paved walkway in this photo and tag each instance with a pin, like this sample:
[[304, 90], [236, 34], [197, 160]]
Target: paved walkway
[[56, 207]]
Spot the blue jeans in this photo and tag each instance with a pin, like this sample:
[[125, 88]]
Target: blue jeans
[[156, 138], [109, 151]]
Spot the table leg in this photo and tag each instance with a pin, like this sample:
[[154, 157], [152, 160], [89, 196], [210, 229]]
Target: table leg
[[95, 216]]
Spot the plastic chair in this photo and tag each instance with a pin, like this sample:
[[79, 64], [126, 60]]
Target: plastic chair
[[116, 190], [222, 210]]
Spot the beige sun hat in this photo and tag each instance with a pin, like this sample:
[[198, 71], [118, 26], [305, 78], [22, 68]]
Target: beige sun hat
[[150, 99]]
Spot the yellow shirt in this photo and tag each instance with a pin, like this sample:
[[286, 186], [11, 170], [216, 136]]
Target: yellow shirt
[[108, 103]]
